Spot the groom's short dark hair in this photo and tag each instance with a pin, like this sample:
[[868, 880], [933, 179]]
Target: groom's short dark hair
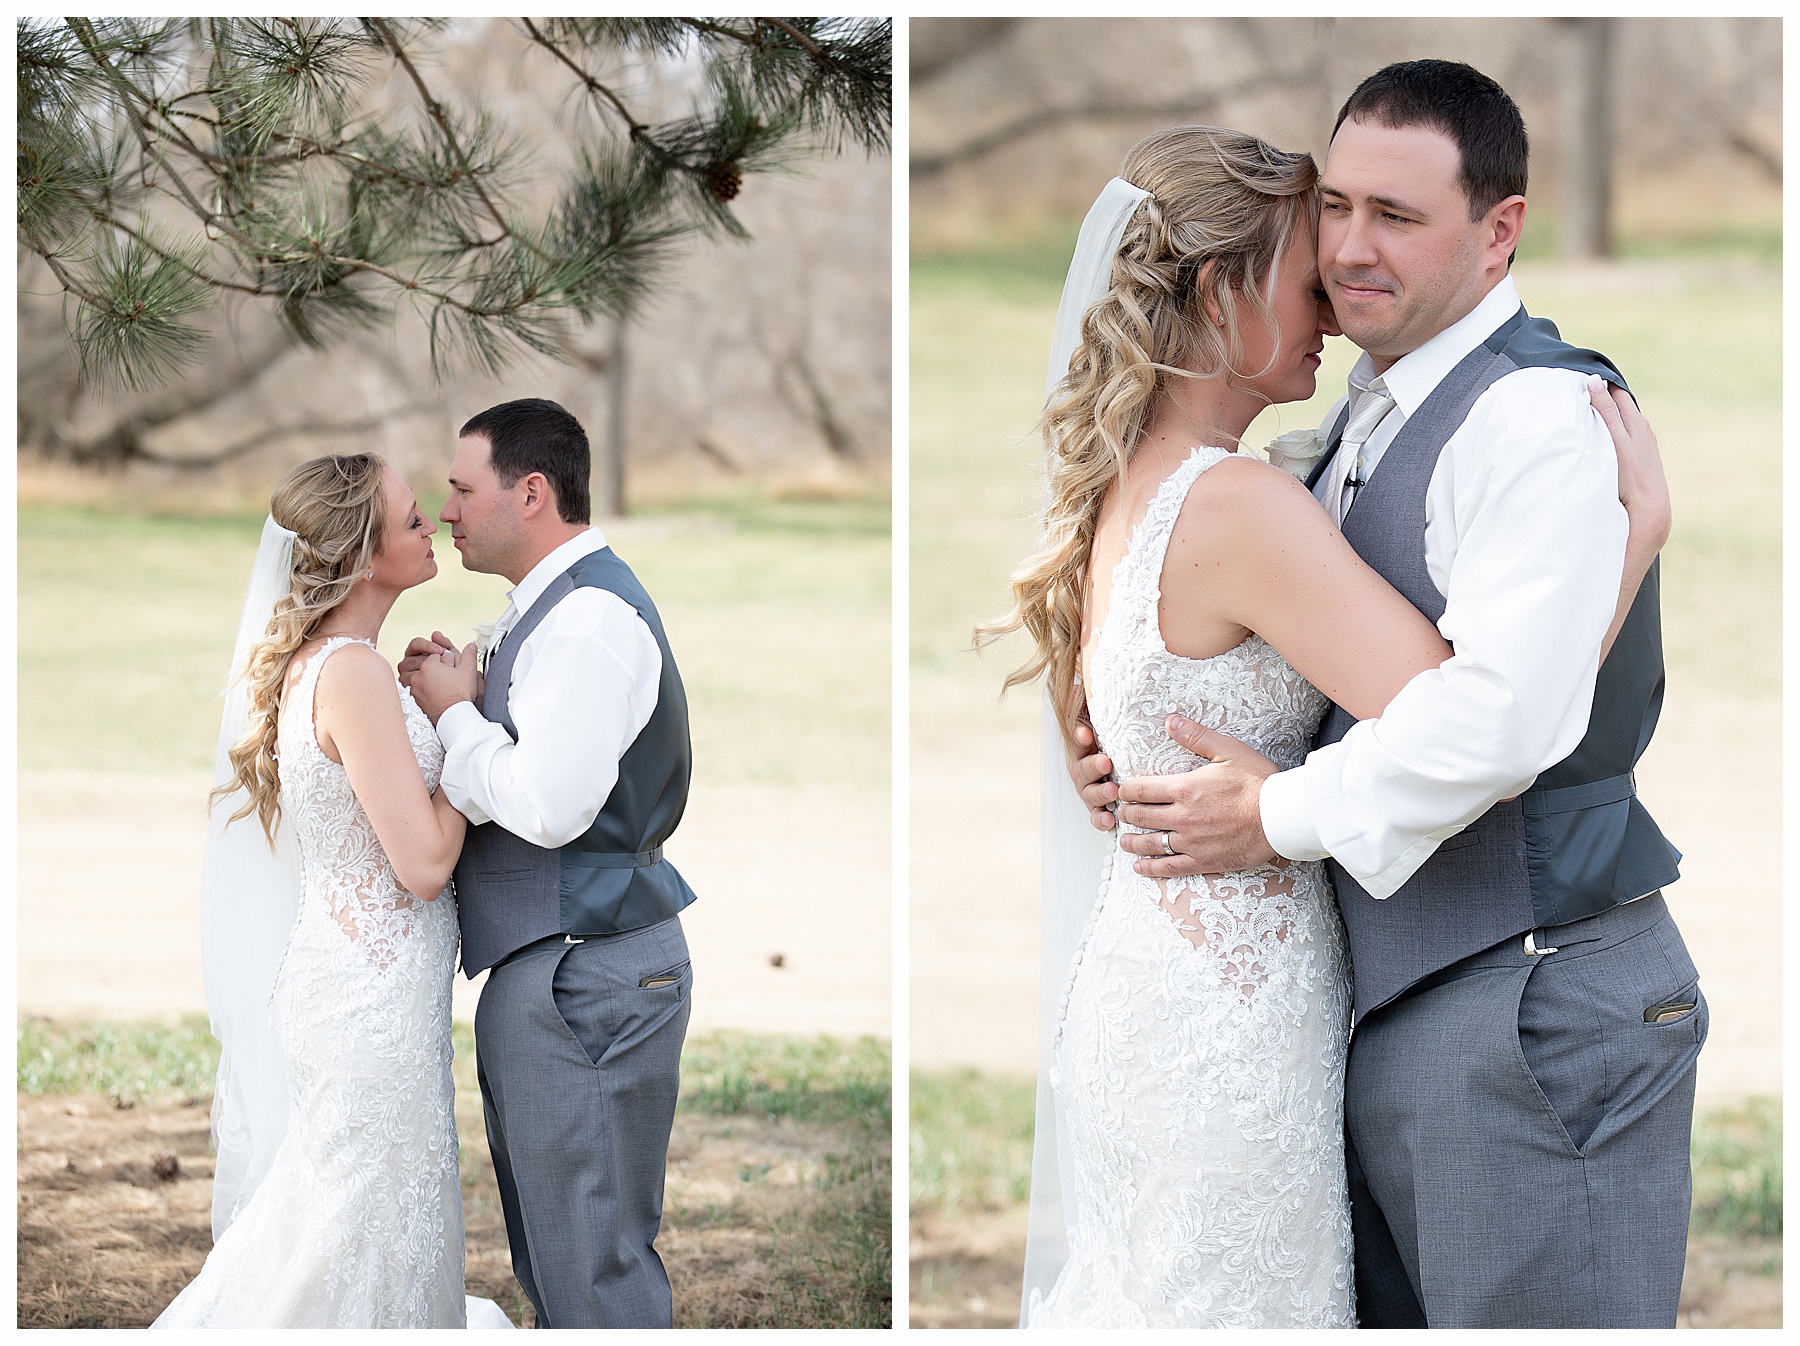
[[534, 434], [1466, 106]]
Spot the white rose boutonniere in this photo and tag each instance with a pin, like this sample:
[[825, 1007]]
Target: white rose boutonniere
[[1297, 451], [484, 640]]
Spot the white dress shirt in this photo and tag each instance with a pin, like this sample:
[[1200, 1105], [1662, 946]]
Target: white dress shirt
[[583, 688], [1525, 538]]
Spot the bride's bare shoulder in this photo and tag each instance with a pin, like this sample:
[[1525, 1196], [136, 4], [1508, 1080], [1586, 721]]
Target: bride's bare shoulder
[[1243, 504], [355, 671]]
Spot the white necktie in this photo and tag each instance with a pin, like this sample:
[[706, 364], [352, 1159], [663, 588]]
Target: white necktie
[[1372, 406]]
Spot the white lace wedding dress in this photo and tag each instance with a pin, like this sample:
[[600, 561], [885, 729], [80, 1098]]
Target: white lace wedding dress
[[359, 1220], [1200, 1058]]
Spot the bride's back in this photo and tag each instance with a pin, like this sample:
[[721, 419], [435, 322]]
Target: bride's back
[[1198, 597]]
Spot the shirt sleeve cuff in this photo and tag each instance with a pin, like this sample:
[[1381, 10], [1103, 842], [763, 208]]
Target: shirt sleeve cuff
[[1285, 820], [456, 721]]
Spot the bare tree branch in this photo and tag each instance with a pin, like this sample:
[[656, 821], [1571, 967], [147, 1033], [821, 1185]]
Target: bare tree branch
[[276, 433], [1198, 104], [1759, 154]]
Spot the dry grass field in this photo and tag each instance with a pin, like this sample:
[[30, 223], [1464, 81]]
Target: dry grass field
[[776, 1211], [1698, 331]]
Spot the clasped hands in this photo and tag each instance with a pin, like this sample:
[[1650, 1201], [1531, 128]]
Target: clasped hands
[[1212, 814], [439, 675]]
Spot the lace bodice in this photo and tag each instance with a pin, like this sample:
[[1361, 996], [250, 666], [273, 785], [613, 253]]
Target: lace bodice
[[358, 1222], [1198, 1067], [341, 860], [1135, 681]]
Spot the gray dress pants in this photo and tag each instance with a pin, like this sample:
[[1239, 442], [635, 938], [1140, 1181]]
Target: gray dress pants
[[1518, 1133], [578, 1046]]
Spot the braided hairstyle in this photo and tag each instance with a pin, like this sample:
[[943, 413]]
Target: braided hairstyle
[[336, 510], [1216, 196]]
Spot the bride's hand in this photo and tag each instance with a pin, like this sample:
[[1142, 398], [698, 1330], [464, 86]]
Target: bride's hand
[[418, 650], [1643, 489], [443, 679]]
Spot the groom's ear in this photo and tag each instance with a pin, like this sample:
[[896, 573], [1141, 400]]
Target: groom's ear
[[1505, 223], [535, 494]]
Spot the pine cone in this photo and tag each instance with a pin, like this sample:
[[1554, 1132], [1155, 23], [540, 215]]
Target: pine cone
[[724, 181]]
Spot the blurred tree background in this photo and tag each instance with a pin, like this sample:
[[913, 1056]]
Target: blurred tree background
[[1654, 234], [244, 242], [1014, 121]]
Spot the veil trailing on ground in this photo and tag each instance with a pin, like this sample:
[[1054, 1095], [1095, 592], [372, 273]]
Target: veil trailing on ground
[[1073, 855], [249, 897]]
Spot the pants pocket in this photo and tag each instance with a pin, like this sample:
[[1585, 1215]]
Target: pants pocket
[[671, 978], [1585, 1039], [1561, 1050], [609, 993]]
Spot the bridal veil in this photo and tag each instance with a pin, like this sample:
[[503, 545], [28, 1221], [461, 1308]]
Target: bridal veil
[[1073, 855], [250, 895]]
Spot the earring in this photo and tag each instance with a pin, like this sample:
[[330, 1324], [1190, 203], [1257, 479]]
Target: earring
[[1220, 319], [371, 574]]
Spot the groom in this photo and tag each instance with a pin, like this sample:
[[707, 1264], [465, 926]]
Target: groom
[[570, 759], [1521, 1079]]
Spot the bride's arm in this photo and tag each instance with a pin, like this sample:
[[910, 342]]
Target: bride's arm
[[1264, 556], [1643, 490], [358, 721], [1281, 569]]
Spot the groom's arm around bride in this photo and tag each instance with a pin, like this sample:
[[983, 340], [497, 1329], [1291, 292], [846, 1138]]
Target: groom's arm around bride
[[571, 760]]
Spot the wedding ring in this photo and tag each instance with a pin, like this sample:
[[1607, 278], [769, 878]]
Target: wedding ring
[[1168, 846]]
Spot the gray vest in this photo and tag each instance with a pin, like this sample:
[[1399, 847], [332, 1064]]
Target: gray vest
[[1577, 842], [612, 877]]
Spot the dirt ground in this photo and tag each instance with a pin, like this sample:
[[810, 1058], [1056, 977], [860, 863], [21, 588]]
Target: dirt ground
[[823, 910], [966, 1273], [110, 1229]]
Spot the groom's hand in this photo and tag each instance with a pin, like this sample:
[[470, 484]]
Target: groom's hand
[[419, 649], [443, 679], [1213, 814]]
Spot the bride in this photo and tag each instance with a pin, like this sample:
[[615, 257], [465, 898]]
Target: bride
[[331, 938], [1190, 1164]]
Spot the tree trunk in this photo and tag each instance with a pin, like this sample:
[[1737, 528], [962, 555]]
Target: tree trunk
[[609, 462], [1587, 136]]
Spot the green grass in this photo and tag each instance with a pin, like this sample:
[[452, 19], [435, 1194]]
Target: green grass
[[812, 1079], [839, 1256], [125, 1062], [776, 607], [1737, 1170], [971, 1150], [971, 1141], [816, 1079], [1029, 262]]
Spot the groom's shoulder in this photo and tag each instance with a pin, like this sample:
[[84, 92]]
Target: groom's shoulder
[[1543, 392], [1535, 342], [1537, 414]]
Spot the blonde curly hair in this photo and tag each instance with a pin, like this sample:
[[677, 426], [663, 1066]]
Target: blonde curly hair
[[337, 512], [1216, 196]]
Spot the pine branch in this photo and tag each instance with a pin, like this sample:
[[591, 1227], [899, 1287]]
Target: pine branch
[[436, 111], [253, 132]]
